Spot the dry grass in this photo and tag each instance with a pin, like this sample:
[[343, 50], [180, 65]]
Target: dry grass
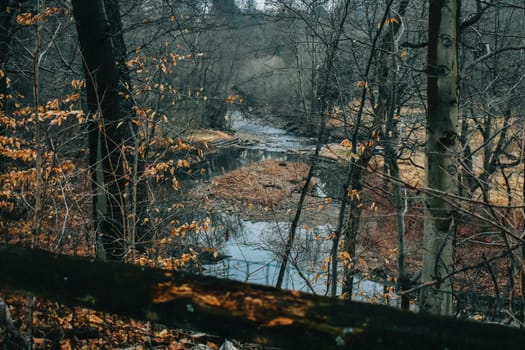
[[336, 151], [411, 166], [207, 135], [412, 172], [267, 182]]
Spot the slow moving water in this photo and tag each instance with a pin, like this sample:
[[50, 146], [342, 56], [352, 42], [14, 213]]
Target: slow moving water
[[253, 250]]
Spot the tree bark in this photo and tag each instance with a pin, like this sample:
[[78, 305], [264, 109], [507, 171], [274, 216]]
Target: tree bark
[[441, 155], [356, 170], [387, 105], [254, 313], [8, 12], [106, 136], [139, 227]]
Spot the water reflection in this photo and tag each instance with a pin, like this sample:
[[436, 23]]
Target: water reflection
[[254, 251], [330, 176], [234, 158]]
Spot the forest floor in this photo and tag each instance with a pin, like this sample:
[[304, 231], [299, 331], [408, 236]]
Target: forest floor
[[58, 327]]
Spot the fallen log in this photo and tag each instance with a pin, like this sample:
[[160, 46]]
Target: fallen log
[[238, 310]]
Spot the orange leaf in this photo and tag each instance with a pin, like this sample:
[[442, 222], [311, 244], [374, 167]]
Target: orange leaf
[[280, 321], [95, 319], [346, 143], [212, 345]]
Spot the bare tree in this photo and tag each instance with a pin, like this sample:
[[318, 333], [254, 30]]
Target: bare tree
[[105, 131], [323, 106], [441, 155]]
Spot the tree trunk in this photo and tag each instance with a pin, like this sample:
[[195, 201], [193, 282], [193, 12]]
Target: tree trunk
[[106, 136], [7, 15], [441, 155], [290, 320], [139, 227], [356, 171], [388, 103]]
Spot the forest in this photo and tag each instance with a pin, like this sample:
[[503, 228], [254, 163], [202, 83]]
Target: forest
[[240, 174]]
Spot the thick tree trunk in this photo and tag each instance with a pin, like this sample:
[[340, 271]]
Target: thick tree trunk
[[255, 313], [106, 136], [441, 155], [8, 11], [140, 229]]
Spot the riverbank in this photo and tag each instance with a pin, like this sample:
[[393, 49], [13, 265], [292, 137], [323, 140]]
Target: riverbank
[[259, 184]]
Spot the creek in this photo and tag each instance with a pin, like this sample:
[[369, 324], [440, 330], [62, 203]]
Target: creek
[[252, 249]]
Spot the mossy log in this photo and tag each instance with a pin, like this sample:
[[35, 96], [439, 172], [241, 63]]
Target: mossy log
[[238, 310]]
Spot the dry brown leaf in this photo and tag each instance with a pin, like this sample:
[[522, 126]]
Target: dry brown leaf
[[163, 333], [186, 341], [280, 321], [212, 345], [210, 300], [96, 320]]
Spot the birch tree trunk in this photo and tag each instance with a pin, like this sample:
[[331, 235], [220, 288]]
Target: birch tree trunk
[[441, 160]]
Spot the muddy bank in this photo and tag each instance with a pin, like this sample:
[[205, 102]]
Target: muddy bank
[[266, 190]]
